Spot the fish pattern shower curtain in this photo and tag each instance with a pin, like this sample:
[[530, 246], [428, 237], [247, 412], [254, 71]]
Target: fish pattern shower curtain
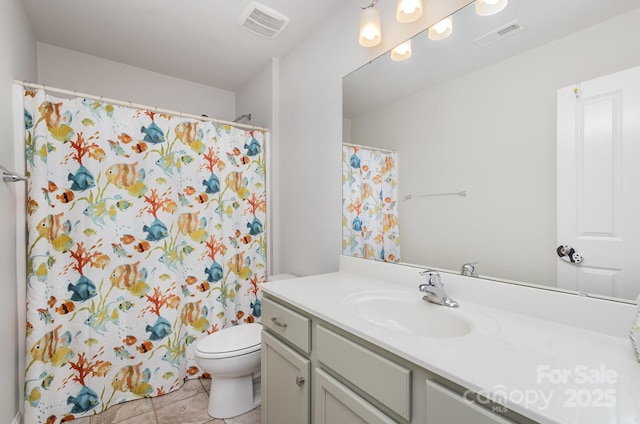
[[145, 234], [370, 227]]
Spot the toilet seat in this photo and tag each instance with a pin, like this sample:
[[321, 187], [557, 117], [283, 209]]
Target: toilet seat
[[231, 341]]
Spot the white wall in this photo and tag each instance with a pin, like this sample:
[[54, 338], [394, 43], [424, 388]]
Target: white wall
[[310, 133], [256, 98], [493, 133], [346, 130], [71, 70], [18, 53]]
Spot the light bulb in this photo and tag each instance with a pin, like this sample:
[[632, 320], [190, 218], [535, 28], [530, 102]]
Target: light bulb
[[441, 30], [408, 10], [490, 7], [440, 27], [369, 32], [402, 49], [401, 52]]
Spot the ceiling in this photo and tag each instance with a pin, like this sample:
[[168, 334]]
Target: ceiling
[[196, 40], [434, 62]]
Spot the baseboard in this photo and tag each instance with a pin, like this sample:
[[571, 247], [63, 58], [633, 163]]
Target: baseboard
[[17, 419]]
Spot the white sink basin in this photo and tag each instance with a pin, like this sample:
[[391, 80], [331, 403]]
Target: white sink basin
[[404, 313]]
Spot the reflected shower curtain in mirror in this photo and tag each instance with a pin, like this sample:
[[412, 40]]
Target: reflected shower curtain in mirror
[[145, 234], [369, 204]]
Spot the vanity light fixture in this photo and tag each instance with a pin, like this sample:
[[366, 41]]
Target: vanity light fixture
[[490, 7], [442, 29], [370, 32], [408, 10], [401, 52]]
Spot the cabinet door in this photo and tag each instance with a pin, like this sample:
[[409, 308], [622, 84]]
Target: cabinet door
[[445, 407], [285, 383], [335, 404]]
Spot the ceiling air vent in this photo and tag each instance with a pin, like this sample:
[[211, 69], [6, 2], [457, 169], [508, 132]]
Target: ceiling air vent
[[262, 20], [500, 34]]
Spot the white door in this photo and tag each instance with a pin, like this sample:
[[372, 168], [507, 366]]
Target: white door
[[599, 184]]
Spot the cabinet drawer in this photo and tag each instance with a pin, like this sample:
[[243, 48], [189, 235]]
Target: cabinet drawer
[[290, 325], [386, 381], [445, 406]]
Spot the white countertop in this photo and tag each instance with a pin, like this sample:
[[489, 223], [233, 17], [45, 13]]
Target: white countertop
[[549, 372]]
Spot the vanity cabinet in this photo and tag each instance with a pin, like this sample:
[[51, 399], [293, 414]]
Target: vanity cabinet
[[313, 372]]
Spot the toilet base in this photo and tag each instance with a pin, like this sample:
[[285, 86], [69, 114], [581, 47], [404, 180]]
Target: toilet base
[[230, 397]]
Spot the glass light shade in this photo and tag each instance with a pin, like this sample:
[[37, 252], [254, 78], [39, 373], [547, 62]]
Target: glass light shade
[[402, 52], [408, 10], [490, 7], [442, 29], [370, 33]]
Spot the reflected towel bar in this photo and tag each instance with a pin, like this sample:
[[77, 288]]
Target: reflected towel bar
[[359, 146], [10, 176], [462, 193]]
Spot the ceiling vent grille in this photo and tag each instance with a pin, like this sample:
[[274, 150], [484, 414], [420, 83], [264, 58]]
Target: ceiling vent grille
[[262, 20], [500, 34]]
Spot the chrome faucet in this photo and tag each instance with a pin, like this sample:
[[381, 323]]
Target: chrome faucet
[[434, 290], [469, 269]]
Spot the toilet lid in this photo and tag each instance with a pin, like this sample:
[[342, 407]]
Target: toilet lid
[[232, 339]]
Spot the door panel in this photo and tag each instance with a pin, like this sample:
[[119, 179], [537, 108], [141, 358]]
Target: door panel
[[597, 176]]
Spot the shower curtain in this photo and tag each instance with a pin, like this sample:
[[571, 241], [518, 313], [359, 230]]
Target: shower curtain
[[369, 204], [145, 234]]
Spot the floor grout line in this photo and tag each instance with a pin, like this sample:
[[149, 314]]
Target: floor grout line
[[153, 408]]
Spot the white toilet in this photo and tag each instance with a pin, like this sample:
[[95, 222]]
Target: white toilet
[[232, 357]]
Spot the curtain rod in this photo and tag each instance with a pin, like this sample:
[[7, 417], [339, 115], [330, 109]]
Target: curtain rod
[[368, 147], [11, 176], [138, 106]]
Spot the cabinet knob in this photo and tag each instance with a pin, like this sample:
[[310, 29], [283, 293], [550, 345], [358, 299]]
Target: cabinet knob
[[278, 323], [299, 381]]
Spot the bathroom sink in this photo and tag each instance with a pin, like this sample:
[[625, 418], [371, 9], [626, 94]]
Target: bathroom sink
[[408, 314]]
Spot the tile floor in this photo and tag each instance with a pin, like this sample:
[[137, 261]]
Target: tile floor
[[187, 405]]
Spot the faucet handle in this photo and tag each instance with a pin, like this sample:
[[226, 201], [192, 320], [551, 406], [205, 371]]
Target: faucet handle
[[469, 269], [433, 277]]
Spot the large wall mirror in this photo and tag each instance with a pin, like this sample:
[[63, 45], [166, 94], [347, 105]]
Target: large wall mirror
[[483, 112]]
